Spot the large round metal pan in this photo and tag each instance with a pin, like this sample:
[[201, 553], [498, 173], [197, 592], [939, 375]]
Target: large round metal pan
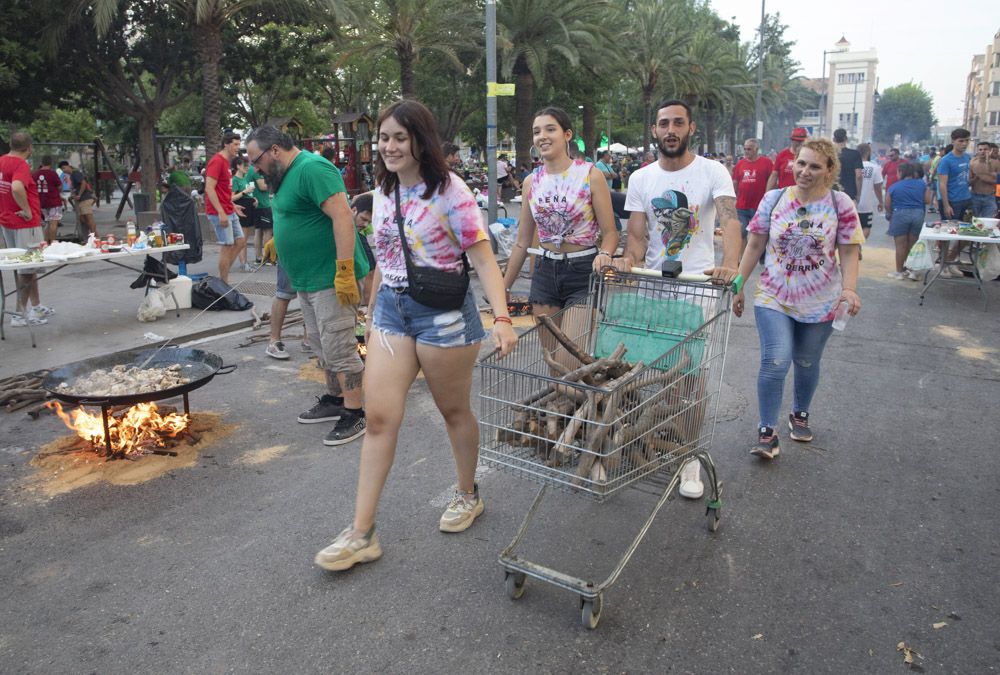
[[197, 365]]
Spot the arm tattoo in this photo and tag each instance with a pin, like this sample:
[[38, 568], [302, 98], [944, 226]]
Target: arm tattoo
[[726, 206]]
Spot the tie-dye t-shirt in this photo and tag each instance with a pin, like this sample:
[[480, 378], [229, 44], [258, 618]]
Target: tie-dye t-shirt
[[680, 211], [801, 277], [561, 206], [437, 230]]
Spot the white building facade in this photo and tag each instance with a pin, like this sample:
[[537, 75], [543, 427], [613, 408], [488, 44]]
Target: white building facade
[[850, 93]]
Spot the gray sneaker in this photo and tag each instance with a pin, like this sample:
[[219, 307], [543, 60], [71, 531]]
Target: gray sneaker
[[462, 511], [325, 410], [276, 350], [349, 549], [349, 426]]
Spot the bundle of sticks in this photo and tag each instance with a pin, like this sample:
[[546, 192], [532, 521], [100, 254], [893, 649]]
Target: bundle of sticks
[[18, 392], [627, 413]]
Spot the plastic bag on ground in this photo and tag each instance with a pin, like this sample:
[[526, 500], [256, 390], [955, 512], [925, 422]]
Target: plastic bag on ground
[[504, 231], [920, 257], [153, 305]]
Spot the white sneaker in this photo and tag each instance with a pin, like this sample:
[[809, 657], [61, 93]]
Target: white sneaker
[[896, 275], [41, 311], [19, 321], [691, 485], [461, 511], [914, 276]]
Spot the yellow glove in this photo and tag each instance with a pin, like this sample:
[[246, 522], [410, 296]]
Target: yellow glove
[[344, 283], [270, 255]]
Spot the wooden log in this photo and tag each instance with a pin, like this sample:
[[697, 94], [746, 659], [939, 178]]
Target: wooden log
[[39, 409], [25, 402], [20, 392], [564, 340], [553, 364]]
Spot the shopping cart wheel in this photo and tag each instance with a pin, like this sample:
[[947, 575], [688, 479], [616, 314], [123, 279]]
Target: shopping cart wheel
[[590, 611], [514, 581]]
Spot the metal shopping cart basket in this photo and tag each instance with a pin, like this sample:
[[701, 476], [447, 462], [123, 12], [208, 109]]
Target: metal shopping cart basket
[[639, 401]]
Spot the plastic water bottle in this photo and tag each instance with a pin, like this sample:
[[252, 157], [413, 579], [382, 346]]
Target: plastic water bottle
[[130, 231], [840, 317]]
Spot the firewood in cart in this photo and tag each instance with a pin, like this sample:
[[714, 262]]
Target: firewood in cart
[[570, 346]]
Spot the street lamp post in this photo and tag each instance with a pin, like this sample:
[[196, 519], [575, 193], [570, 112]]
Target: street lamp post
[[758, 122], [826, 88]]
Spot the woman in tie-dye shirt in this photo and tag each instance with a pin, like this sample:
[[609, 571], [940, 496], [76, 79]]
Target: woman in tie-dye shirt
[[801, 230], [568, 204], [441, 222]]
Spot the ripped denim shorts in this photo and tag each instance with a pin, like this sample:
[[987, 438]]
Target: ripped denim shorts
[[396, 313]]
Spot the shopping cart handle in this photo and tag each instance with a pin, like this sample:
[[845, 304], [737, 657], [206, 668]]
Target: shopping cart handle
[[737, 283]]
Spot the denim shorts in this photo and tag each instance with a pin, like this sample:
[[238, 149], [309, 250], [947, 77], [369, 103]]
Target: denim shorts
[[560, 283], [906, 222], [284, 290], [227, 236], [396, 313]]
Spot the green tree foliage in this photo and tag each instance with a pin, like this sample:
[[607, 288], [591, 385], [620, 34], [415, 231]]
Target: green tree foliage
[[907, 110], [55, 124], [407, 29], [126, 66]]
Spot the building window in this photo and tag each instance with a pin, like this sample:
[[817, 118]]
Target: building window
[[996, 88], [993, 118], [850, 78]]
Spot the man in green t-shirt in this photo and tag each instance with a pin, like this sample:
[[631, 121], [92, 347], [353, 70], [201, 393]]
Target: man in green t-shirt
[[260, 217], [312, 222]]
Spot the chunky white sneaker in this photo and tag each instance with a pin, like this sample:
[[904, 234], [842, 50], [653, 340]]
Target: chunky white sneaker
[[41, 311], [896, 275], [349, 549], [20, 321], [462, 511], [691, 485]]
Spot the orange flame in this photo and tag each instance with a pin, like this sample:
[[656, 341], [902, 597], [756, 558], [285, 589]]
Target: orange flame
[[362, 350], [139, 428]]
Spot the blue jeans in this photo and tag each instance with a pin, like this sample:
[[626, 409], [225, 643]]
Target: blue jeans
[[784, 341], [745, 216], [983, 206]]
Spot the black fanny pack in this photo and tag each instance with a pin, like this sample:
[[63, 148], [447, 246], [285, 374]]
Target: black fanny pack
[[430, 286]]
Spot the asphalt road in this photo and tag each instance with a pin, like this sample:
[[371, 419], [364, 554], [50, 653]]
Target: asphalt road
[[826, 559]]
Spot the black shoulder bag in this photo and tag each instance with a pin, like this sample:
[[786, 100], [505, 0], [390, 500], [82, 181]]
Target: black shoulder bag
[[428, 285]]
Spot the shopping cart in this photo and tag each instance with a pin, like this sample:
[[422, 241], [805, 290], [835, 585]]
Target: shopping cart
[[645, 407]]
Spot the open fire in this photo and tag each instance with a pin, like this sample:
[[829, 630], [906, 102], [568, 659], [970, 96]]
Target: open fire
[[135, 431]]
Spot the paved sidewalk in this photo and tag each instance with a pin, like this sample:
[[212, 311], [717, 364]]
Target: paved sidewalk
[[96, 309]]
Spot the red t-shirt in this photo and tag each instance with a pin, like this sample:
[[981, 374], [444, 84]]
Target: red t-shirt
[[751, 180], [14, 168], [49, 187], [218, 168], [783, 164], [889, 175]]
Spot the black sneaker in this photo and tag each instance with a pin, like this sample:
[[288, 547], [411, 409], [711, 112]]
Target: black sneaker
[[326, 410], [350, 426], [767, 444], [798, 425]]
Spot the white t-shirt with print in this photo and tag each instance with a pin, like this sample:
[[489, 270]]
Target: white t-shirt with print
[[871, 175], [659, 194]]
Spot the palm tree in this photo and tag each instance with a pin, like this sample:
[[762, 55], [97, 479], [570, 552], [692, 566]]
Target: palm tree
[[657, 57], [715, 68], [404, 29], [207, 18], [535, 36]]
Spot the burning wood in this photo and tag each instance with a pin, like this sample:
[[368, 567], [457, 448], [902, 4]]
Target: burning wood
[[139, 430]]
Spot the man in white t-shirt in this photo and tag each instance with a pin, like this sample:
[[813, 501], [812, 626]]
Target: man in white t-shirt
[[871, 188], [672, 205]]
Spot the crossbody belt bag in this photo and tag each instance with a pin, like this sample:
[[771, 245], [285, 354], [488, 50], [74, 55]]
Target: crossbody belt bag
[[428, 285]]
